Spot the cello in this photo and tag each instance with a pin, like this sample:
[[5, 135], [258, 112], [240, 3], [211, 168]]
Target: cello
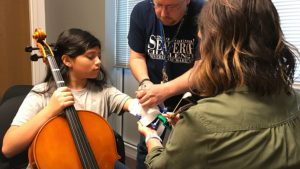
[[73, 139]]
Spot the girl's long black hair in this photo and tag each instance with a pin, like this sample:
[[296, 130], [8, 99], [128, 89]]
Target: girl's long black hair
[[74, 42]]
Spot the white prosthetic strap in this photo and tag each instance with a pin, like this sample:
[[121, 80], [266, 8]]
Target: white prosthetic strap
[[146, 115]]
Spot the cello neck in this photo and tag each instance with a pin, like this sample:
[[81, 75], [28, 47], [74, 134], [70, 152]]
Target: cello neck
[[55, 72]]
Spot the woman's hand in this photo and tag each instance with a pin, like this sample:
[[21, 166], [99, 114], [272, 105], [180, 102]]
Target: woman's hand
[[152, 138], [172, 119], [144, 130]]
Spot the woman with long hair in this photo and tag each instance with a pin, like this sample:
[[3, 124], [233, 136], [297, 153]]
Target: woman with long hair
[[249, 116]]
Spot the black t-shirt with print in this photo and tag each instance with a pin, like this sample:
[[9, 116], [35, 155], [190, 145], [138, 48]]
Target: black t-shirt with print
[[145, 37]]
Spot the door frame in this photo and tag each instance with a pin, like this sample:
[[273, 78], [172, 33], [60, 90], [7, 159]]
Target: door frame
[[37, 20]]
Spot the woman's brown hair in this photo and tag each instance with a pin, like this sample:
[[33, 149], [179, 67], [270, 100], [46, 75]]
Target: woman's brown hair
[[242, 44]]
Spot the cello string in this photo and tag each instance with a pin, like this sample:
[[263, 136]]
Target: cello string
[[75, 131], [87, 149], [84, 148], [75, 126], [71, 117]]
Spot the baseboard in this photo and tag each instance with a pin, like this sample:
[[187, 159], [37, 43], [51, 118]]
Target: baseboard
[[130, 150]]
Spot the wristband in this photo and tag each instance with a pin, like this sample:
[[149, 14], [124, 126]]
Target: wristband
[[150, 136], [142, 81]]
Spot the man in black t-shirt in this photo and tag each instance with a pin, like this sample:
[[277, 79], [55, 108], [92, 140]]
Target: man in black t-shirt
[[163, 41]]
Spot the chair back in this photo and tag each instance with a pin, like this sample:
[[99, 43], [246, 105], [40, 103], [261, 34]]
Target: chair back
[[8, 110], [9, 105], [16, 90]]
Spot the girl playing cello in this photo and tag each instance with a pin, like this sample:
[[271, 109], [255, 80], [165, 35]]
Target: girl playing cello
[[78, 56]]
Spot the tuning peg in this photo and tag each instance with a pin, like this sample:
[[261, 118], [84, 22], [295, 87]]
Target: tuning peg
[[35, 57], [30, 49]]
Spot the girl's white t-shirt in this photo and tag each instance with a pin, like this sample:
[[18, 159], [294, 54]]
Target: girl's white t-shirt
[[103, 102]]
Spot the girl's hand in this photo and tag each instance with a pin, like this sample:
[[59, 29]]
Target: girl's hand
[[61, 98]]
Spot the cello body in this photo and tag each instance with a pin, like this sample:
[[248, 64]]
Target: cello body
[[53, 147]]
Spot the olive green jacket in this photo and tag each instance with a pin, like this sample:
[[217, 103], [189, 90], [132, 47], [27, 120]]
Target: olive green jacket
[[234, 130]]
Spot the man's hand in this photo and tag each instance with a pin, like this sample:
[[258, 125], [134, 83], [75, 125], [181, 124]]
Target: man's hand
[[145, 85], [152, 96]]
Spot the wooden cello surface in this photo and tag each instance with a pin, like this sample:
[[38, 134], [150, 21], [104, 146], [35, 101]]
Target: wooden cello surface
[[74, 139], [54, 147]]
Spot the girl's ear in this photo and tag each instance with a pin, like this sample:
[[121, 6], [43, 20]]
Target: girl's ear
[[66, 60]]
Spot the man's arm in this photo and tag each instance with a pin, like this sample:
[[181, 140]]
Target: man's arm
[[158, 93], [138, 67]]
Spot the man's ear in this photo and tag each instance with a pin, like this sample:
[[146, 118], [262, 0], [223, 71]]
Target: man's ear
[[66, 60]]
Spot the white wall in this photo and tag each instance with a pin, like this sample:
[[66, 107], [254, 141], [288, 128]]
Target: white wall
[[37, 20], [87, 15]]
